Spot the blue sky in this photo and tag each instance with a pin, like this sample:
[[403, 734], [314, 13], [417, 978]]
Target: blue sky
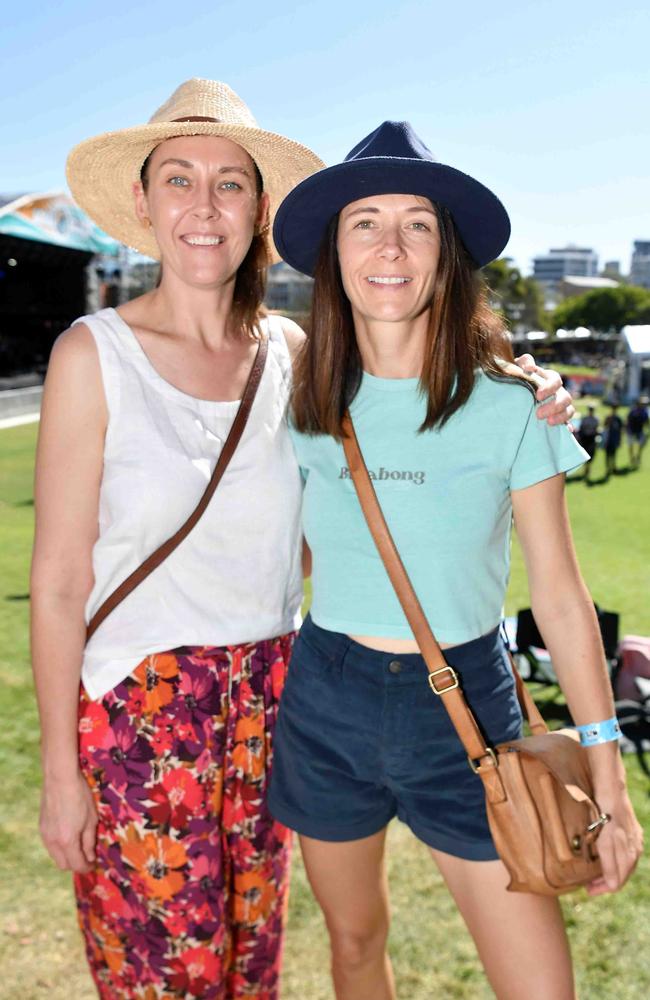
[[549, 103]]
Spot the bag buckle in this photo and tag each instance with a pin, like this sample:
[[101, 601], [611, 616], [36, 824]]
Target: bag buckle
[[450, 687], [593, 828], [489, 752], [603, 818]]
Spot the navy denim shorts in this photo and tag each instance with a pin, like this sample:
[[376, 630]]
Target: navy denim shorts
[[361, 738]]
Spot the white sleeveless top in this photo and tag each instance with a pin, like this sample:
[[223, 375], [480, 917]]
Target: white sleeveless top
[[237, 576]]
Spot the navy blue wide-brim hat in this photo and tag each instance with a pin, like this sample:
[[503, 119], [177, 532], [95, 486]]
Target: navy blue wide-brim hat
[[391, 160]]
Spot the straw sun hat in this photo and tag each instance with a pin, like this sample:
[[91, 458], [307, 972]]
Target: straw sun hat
[[101, 171]]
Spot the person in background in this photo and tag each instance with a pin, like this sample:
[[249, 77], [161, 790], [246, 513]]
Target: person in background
[[588, 437], [635, 429], [613, 432]]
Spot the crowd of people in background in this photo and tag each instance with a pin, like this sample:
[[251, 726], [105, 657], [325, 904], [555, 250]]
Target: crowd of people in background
[[609, 435]]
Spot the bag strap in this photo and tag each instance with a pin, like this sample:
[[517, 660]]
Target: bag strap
[[228, 450], [443, 679]]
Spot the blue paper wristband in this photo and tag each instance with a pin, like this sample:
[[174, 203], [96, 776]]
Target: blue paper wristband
[[599, 732]]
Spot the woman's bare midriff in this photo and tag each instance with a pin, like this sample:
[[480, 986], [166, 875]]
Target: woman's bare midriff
[[385, 645]]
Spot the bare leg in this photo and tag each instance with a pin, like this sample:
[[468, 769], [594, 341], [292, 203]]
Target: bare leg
[[520, 937], [349, 882]]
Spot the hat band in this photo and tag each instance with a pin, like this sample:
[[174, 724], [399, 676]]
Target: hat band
[[197, 118]]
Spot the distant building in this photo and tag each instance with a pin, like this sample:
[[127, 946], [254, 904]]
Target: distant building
[[640, 266], [575, 284], [287, 289], [612, 269], [140, 276], [550, 269]]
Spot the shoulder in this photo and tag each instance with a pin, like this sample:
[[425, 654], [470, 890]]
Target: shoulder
[[509, 398], [74, 373], [75, 347], [293, 335]]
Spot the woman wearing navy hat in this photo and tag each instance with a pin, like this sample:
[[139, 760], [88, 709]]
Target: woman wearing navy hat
[[402, 336]]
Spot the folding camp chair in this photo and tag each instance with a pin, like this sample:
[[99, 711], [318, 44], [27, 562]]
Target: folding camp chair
[[530, 645]]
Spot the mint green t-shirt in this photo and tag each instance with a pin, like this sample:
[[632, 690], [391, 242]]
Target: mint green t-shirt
[[445, 495]]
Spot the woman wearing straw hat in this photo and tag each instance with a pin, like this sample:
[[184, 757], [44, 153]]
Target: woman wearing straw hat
[[402, 336], [156, 799]]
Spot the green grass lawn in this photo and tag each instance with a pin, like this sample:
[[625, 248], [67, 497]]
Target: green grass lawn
[[573, 369], [40, 951]]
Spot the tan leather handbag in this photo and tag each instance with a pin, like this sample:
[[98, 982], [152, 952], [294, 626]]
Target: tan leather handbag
[[538, 790], [228, 450]]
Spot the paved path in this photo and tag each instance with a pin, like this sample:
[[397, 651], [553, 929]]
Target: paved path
[[24, 418], [20, 406]]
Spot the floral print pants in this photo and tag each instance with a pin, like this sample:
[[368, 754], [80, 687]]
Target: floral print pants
[[188, 895]]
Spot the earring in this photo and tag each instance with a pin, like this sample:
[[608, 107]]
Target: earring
[[146, 222], [263, 230]]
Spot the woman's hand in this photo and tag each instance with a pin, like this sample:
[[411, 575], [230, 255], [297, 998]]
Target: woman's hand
[[564, 612], [559, 409], [68, 823], [619, 845]]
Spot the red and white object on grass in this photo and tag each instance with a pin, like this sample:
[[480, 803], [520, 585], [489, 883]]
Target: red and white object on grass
[[633, 676]]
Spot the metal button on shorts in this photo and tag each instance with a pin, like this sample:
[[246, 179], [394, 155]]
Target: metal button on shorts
[[394, 666]]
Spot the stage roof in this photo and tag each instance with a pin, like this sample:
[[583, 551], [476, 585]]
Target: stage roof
[[54, 218]]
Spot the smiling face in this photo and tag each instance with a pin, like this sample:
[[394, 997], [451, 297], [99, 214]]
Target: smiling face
[[389, 248], [203, 202]]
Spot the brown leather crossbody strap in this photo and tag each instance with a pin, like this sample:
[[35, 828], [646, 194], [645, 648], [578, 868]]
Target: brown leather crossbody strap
[[228, 450], [442, 678]]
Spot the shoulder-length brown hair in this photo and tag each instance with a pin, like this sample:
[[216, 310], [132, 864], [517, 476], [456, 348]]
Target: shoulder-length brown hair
[[464, 334], [250, 282], [250, 288]]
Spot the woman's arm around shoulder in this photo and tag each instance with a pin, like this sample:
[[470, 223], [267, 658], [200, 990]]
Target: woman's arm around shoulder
[[565, 615], [555, 402], [69, 464]]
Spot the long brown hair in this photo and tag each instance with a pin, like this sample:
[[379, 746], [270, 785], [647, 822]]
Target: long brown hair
[[464, 334], [250, 282]]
